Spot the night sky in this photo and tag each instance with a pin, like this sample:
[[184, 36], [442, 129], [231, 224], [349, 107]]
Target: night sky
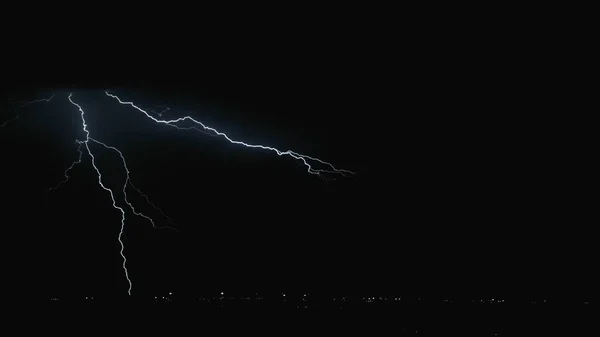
[[247, 219], [453, 193]]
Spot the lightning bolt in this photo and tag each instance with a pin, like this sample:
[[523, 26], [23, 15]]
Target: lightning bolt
[[200, 126], [112, 196], [128, 182], [197, 125]]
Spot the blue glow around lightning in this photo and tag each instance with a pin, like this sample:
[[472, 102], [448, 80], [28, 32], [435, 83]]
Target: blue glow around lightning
[[172, 123]]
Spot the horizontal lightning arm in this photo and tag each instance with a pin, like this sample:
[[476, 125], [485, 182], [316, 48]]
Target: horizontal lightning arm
[[304, 158], [324, 167]]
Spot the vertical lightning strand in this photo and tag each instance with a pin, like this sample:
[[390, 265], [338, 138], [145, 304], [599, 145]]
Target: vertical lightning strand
[[304, 158], [114, 203], [128, 182]]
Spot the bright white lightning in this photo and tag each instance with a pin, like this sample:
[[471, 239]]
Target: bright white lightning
[[304, 158], [114, 203], [128, 181]]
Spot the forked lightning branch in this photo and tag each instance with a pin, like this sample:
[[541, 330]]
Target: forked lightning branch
[[314, 166]]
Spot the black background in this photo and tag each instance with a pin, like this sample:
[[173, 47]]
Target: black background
[[454, 191]]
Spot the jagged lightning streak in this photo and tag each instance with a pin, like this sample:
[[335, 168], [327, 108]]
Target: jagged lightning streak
[[25, 103], [36, 100], [304, 158], [112, 196], [129, 183]]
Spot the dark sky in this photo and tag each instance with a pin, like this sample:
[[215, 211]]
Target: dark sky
[[452, 188], [247, 219]]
